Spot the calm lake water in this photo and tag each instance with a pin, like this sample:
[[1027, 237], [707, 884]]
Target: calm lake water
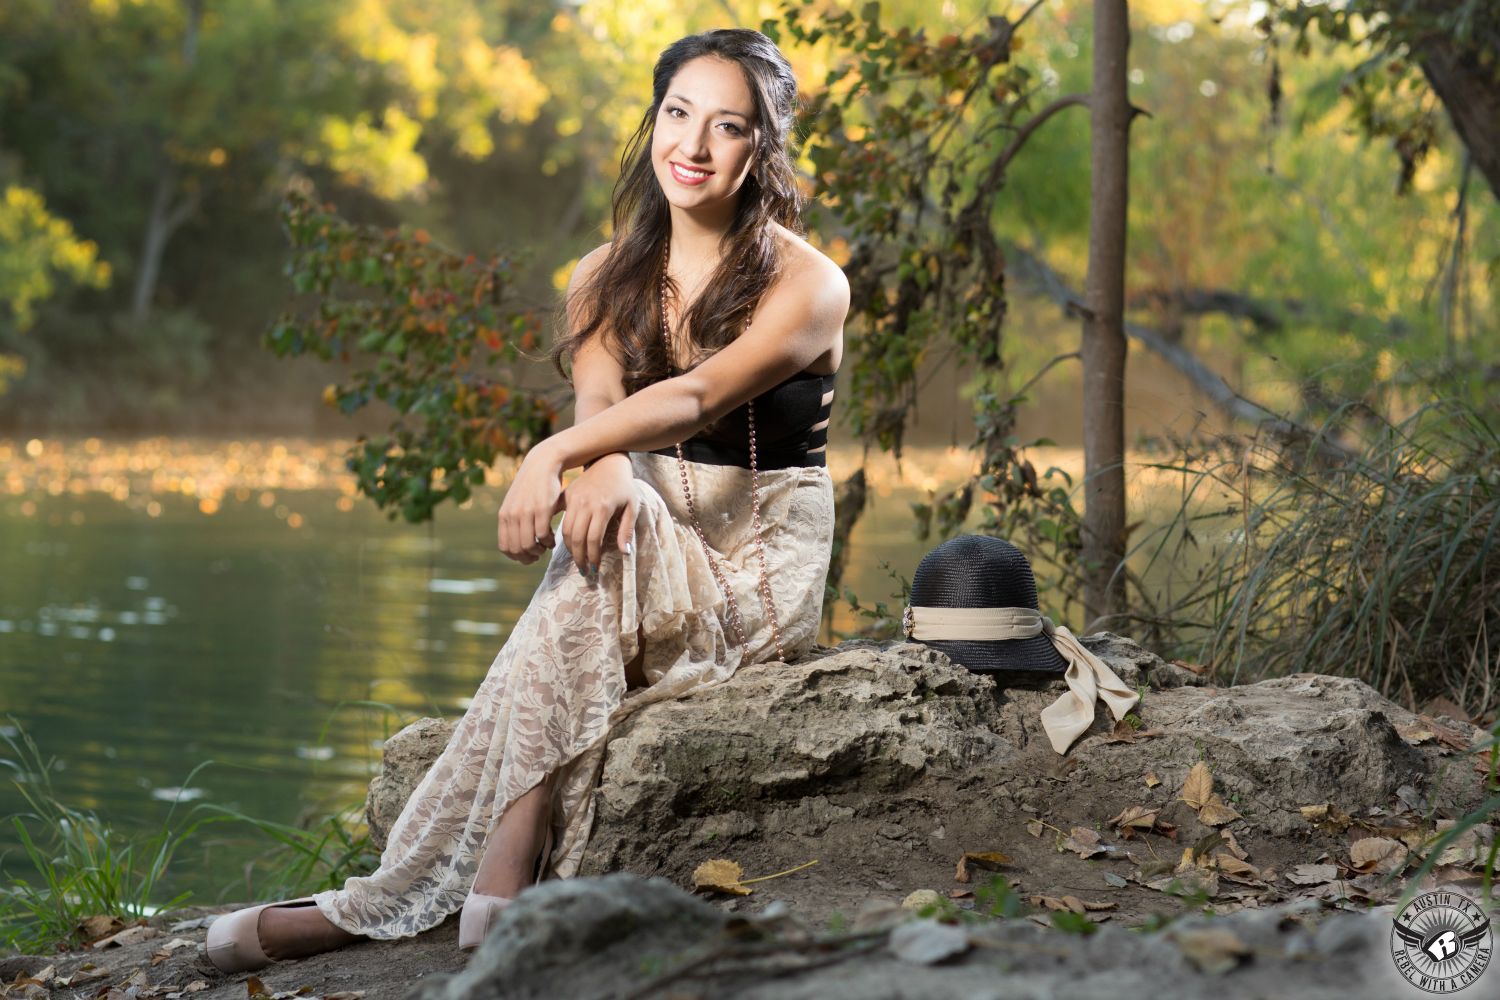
[[169, 603]]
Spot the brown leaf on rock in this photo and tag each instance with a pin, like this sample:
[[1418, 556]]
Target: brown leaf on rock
[[1137, 817], [130, 935], [988, 860], [1414, 733], [1217, 812], [720, 875], [1152, 780], [1191, 880], [1085, 842], [1326, 817], [1446, 735], [1377, 854], [100, 926], [1070, 903], [1233, 845], [1312, 874], [1034, 827], [1198, 786], [1231, 865]]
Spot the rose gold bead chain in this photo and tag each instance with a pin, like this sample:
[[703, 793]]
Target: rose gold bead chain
[[765, 584]]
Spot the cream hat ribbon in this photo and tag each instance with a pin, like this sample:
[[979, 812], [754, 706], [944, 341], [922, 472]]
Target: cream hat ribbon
[[1088, 677]]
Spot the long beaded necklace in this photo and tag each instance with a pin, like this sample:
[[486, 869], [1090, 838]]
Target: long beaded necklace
[[765, 584]]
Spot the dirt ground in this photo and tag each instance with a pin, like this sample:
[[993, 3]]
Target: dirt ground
[[880, 857]]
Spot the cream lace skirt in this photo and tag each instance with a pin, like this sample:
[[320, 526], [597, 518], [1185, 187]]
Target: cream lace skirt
[[558, 683]]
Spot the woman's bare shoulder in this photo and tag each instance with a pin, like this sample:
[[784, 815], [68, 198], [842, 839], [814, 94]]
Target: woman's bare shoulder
[[799, 256], [588, 264]]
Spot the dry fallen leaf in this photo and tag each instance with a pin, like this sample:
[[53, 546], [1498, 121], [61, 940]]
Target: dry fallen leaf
[[1414, 733], [720, 875], [988, 860], [1233, 845], [1198, 786], [1312, 874], [1084, 841], [1070, 903], [1152, 780], [1326, 817], [1138, 817], [1231, 865], [1377, 854], [1035, 827], [1217, 812], [130, 935], [100, 926]]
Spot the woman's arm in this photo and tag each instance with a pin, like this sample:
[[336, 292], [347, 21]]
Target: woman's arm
[[794, 329], [598, 376]]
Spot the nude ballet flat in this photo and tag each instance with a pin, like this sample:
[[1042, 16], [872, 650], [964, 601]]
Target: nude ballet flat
[[233, 941], [481, 912]]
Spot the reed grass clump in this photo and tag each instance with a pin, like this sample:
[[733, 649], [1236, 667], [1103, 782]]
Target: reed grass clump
[[1381, 563]]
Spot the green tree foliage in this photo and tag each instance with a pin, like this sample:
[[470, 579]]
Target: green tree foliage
[[424, 335], [1404, 49], [147, 123]]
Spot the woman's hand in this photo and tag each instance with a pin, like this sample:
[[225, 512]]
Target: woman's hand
[[535, 494], [601, 491]]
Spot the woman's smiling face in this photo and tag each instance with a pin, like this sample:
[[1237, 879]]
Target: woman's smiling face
[[704, 139]]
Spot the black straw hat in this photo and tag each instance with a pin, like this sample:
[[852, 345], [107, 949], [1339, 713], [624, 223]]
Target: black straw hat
[[980, 571]]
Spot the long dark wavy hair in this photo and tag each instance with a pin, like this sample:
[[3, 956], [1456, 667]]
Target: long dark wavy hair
[[621, 296]]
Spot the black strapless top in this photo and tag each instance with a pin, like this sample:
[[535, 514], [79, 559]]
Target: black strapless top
[[784, 418]]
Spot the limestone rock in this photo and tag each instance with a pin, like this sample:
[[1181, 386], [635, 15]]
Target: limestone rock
[[405, 758], [892, 736]]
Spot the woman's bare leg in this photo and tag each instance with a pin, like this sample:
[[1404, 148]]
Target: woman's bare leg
[[297, 931], [510, 853]]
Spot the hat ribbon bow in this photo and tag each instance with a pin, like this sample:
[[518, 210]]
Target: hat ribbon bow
[[1088, 677]]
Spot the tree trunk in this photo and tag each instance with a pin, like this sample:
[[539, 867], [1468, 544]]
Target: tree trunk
[[1104, 350], [165, 218], [1471, 94]]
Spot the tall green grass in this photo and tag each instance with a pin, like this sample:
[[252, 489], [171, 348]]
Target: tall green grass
[[81, 866]]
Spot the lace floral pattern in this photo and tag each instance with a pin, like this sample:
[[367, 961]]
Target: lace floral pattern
[[557, 685]]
